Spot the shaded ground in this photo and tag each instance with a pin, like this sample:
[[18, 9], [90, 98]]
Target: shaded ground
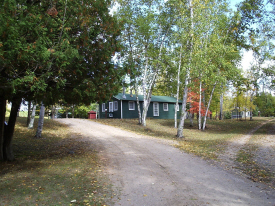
[[149, 171]]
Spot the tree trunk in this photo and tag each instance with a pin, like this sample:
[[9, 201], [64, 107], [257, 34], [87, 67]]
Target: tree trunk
[[30, 126], [146, 95], [209, 102], [138, 105], [191, 116], [9, 130], [2, 124], [29, 113], [183, 110], [146, 103], [178, 89], [53, 112], [199, 119], [40, 121], [221, 105], [73, 111]]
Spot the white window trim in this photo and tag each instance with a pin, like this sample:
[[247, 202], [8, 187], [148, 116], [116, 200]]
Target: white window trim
[[167, 108], [156, 104], [133, 105], [111, 107], [115, 105], [103, 107]]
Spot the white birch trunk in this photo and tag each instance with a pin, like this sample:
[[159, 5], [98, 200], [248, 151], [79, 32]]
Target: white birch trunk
[[30, 126], [178, 89], [199, 120], [191, 116], [147, 93], [40, 121], [183, 111], [184, 101], [138, 105], [209, 102], [145, 100]]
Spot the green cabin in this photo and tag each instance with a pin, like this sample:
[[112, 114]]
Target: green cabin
[[125, 107]]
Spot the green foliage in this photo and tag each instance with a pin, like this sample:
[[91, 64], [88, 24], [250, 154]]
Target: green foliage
[[227, 115], [60, 49], [265, 104]]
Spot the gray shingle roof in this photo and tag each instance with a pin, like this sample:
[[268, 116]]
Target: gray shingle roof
[[153, 99]]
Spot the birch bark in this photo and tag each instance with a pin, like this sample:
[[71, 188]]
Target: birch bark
[[184, 101], [199, 120], [30, 126], [178, 88], [40, 121], [138, 104], [208, 105]]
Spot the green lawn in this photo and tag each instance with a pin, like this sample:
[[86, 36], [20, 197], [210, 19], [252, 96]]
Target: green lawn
[[207, 144], [55, 170]]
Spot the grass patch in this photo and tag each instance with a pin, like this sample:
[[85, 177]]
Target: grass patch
[[207, 144], [256, 172], [247, 157], [55, 170]]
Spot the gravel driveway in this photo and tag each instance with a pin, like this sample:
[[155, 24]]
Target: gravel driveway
[[150, 171]]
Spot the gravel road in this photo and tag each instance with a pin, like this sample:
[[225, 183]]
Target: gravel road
[[150, 171]]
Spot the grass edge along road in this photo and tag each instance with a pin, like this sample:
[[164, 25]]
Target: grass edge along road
[[63, 170], [207, 144], [58, 169]]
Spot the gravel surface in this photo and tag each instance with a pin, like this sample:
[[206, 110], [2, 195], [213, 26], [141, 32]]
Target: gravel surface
[[150, 171], [229, 156]]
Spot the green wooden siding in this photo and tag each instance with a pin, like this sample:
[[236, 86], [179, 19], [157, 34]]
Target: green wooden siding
[[132, 114]]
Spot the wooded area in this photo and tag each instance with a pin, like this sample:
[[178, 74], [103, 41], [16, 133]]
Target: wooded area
[[75, 53]]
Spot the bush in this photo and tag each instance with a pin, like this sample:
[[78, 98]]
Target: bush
[[227, 115]]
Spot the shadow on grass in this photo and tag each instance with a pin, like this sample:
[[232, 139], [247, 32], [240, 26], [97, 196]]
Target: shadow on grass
[[52, 170]]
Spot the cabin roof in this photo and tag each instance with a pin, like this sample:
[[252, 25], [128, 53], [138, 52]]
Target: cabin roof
[[129, 97]]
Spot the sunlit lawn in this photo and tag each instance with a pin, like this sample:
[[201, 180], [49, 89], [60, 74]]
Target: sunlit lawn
[[55, 170], [207, 144]]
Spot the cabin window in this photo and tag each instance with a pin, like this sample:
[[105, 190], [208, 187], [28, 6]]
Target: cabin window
[[115, 105], [131, 105], [156, 109], [111, 108], [103, 107], [165, 107]]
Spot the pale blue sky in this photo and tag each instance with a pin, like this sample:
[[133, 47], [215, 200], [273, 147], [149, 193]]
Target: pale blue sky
[[234, 2]]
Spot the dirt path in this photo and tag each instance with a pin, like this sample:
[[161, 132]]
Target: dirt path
[[149, 171], [228, 157]]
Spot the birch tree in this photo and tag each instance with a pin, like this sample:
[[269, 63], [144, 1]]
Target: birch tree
[[147, 25]]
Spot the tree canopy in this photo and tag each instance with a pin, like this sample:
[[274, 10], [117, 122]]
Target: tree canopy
[[52, 50]]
